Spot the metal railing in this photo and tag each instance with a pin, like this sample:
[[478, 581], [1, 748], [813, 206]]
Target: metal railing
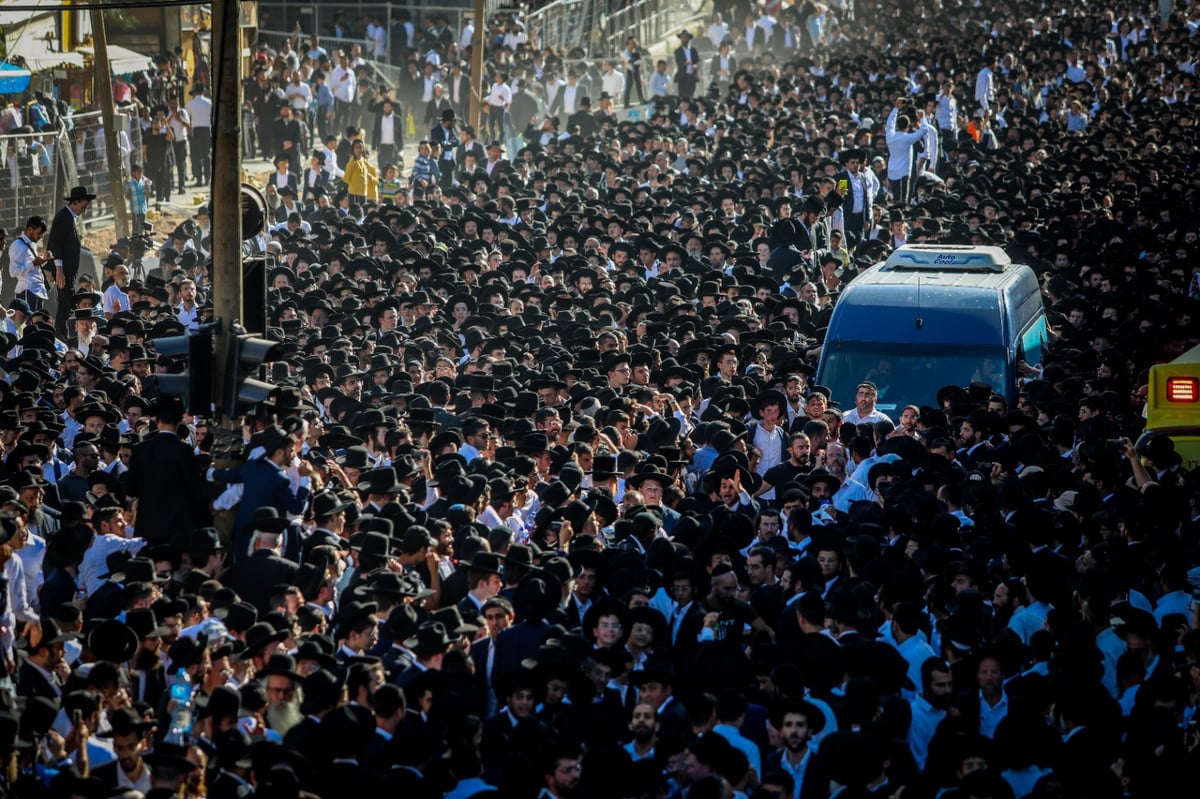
[[561, 25], [87, 166], [29, 178], [323, 20], [37, 168], [648, 21], [587, 28]]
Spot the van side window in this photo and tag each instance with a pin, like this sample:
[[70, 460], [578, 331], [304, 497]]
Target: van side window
[[1033, 342]]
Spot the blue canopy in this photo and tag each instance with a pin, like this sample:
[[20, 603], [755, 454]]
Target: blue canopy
[[13, 79]]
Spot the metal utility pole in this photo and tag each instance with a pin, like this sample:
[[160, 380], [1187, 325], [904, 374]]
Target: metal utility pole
[[112, 153], [477, 68], [226, 208]]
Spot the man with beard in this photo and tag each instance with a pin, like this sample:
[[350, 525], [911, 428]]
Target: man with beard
[[644, 727], [797, 721], [283, 706], [798, 462], [928, 709], [726, 615], [128, 733], [560, 773]]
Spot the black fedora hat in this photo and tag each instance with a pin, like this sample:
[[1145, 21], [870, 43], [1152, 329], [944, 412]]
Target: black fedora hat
[[379, 481], [520, 555], [451, 618], [260, 635], [769, 397], [537, 596], [200, 539], [79, 193], [125, 721], [355, 457], [309, 649], [374, 544], [404, 620], [169, 755], [113, 641], [327, 503], [145, 624], [137, 570], [225, 702], [267, 519], [280, 665], [432, 638]]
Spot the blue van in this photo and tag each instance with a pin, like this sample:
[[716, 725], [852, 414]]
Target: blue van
[[933, 315]]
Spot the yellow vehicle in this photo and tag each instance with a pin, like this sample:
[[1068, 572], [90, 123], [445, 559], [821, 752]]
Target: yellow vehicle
[[1173, 405]]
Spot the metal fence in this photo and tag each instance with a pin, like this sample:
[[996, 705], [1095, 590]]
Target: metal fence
[[31, 178], [563, 24], [38, 168], [589, 29], [344, 25], [86, 155]]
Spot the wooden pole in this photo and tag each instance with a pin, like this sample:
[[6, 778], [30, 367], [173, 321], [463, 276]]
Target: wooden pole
[[103, 78], [226, 208], [477, 86]]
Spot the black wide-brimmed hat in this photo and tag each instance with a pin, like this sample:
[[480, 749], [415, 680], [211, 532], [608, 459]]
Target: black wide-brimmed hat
[[431, 638], [79, 193]]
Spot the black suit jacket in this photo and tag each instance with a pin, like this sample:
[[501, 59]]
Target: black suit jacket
[[164, 475], [816, 775], [309, 739], [107, 774], [686, 644], [681, 58], [31, 683], [434, 109], [518, 642], [285, 132], [397, 127], [673, 720], [58, 590], [586, 122], [475, 149], [63, 240], [254, 578], [394, 662], [220, 786]]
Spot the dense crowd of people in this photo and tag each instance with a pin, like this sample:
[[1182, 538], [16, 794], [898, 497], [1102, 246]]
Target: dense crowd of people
[[546, 501]]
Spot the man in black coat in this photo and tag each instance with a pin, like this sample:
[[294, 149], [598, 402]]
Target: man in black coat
[[687, 65], [165, 477], [389, 124], [444, 135], [64, 242], [289, 138], [254, 578], [797, 721], [38, 674], [535, 598]]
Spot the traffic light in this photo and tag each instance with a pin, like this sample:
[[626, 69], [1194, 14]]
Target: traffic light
[[242, 384], [194, 351]]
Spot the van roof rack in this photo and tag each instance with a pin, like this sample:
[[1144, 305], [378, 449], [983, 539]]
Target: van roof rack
[[947, 258]]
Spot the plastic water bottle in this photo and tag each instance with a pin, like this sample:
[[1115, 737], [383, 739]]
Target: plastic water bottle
[[181, 689]]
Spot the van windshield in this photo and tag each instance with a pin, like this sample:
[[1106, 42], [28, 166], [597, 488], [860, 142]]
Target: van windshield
[[908, 374]]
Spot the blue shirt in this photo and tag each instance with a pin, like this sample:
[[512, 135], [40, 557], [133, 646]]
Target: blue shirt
[[748, 748], [925, 719], [469, 787]]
